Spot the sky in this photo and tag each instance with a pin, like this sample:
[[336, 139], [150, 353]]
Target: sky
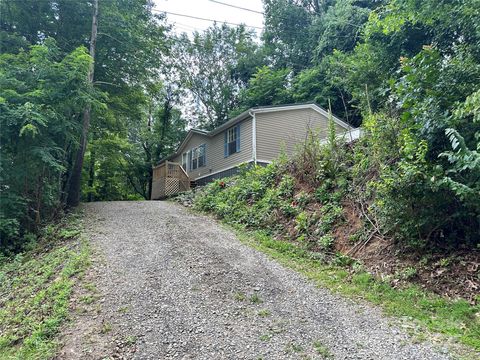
[[210, 9]]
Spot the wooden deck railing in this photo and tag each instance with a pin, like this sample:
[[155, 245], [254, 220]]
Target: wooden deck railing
[[169, 178]]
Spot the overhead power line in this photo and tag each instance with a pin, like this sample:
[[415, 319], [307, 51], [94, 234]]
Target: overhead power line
[[186, 26], [205, 19], [237, 7]]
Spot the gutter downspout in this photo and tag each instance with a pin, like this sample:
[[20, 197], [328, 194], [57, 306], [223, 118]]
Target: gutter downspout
[[254, 137]]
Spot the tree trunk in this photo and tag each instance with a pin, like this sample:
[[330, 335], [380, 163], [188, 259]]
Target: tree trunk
[[73, 197], [150, 183], [149, 155], [91, 175]]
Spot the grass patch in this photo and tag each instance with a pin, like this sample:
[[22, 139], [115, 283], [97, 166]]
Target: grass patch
[[266, 337], [322, 350], [294, 348], [124, 309], [106, 328], [130, 340], [91, 287], [240, 296], [87, 299], [255, 299], [264, 313], [454, 318], [35, 291]]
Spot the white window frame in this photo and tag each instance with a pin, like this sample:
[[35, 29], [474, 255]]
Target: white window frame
[[195, 159], [231, 135], [185, 161], [231, 138], [201, 155]]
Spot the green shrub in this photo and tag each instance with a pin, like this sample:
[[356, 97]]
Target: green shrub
[[302, 222], [248, 198], [389, 174], [326, 242]]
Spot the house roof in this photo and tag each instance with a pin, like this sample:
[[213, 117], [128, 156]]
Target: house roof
[[249, 113]]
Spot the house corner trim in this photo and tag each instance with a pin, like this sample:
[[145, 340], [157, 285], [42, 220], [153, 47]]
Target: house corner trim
[[254, 137]]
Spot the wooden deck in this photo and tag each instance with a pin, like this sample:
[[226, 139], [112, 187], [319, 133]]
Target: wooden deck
[[169, 178]]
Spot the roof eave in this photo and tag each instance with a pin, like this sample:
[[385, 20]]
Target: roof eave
[[311, 105], [244, 115], [182, 144]]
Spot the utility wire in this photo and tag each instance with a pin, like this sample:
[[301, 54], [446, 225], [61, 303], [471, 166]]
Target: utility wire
[[237, 7], [205, 19], [194, 17], [186, 26]]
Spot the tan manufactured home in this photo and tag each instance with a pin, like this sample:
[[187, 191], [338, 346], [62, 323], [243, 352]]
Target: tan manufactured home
[[258, 136]]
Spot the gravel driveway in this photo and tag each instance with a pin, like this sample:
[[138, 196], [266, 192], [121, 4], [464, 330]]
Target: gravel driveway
[[182, 287]]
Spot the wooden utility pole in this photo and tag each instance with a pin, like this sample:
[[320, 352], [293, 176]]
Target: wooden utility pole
[[74, 189]]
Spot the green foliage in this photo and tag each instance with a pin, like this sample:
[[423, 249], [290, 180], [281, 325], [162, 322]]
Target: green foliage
[[463, 173], [213, 67], [267, 87], [392, 174], [268, 197], [326, 242], [415, 181], [322, 350], [35, 288], [408, 192], [288, 36], [407, 273], [408, 70], [247, 199], [340, 27], [43, 94], [302, 223]]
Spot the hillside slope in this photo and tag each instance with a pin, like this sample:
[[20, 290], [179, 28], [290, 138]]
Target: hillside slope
[[330, 203]]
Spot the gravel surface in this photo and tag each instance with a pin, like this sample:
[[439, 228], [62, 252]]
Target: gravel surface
[[180, 286]]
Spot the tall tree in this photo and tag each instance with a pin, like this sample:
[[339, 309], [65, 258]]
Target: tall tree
[[121, 72], [74, 189], [290, 34], [268, 87], [212, 68], [42, 96]]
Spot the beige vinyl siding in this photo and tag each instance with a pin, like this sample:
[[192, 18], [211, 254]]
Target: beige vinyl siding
[[287, 129], [195, 141], [219, 161], [215, 160]]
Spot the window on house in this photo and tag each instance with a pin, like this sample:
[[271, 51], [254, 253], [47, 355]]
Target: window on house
[[184, 161], [232, 141], [198, 157], [194, 159], [201, 155]]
